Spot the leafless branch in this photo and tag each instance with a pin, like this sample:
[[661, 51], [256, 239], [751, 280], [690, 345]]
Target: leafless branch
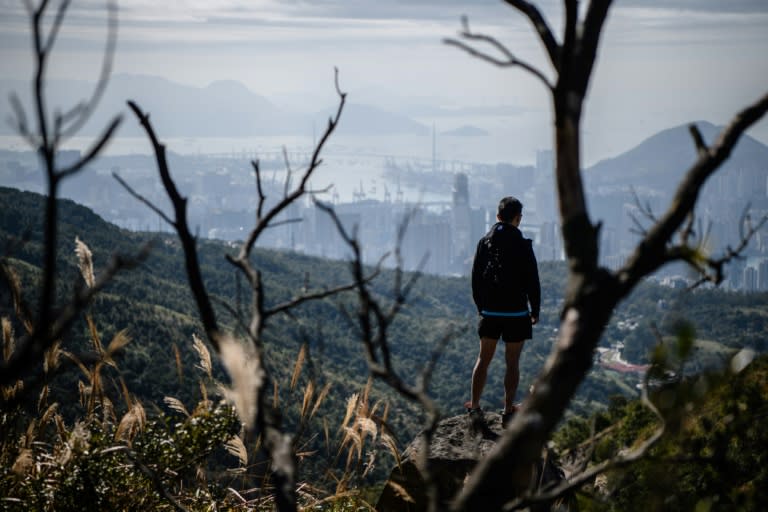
[[300, 190], [94, 150], [651, 253], [45, 329], [143, 199], [624, 458], [20, 123], [508, 60], [542, 29], [288, 172], [79, 115], [285, 306], [712, 270], [374, 323], [698, 140], [188, 242], [259, 188]]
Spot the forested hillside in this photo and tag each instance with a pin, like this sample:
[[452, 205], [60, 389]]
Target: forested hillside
[[153, 304]]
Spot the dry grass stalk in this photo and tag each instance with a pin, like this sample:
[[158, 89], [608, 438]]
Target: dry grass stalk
[[14, 285], [24, 463], [9, 392], [43, 398], [323, 393], [300, 358], [400, 491], [30, 434], [390, 444], [131, 423], [85, 261], [9, 340], [95, 338], [126, 394], [367, 426], [327, 434], [244, 368], [119, 341], [176, 405], [179, 366], [61, 429], [48, 414], [52, 356], [236, 447], [351, 406], [84, 392], [72, 357], [204, 354], [309, 390]]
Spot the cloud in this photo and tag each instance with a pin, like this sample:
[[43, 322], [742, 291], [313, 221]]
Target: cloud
[[707, 6]]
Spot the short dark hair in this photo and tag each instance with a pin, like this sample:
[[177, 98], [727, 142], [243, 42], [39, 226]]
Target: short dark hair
[[509, 208]]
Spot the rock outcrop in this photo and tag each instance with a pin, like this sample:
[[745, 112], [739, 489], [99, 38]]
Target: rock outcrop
[[457, 445]]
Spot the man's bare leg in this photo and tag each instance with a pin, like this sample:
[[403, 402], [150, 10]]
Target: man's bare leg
[[512, 375], [480, 372]]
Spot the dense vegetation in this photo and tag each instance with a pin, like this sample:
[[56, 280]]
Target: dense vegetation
[[711, 456], [312, 349]]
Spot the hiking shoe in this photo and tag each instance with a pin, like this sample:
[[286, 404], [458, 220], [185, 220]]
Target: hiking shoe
[[474, 413], [506, 416]]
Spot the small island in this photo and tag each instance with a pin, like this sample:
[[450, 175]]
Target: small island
[[466, 130]]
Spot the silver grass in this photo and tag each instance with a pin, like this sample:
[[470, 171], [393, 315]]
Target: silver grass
[[320, 398], [176, 405], [236, 447], [85, 260], [9, 342], [244, 368], [204, 354]]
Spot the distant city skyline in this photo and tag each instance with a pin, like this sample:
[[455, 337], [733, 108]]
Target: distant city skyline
[[661, 63]]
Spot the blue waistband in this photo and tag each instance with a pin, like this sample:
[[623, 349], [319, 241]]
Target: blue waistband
[[504, 313]]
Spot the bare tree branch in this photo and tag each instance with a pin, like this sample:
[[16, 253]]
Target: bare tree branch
[[698, 140], [509, 59], [47, 146], [143, 199], [21, 120], [188, 242], [264, 221], [374, 323], [649, 254], [74, 120], [624, 458], [94, 150], [285, 306], [542, 29]]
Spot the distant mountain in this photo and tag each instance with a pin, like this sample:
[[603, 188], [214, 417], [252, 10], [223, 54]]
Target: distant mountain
[[466, 131], [360, 119], [222, 109], [664, 158]]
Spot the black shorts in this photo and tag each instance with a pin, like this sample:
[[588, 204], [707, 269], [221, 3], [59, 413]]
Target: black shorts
[[510, 329]]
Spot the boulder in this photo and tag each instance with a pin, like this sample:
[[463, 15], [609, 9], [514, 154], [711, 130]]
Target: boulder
[[457, 445]]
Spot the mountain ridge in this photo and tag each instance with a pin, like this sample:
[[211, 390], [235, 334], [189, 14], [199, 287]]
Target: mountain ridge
[[223, 108], [667, 154]]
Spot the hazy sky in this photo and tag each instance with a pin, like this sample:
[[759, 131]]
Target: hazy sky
[[662, 62]]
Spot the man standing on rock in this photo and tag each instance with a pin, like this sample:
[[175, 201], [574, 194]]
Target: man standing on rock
[[505, 282]]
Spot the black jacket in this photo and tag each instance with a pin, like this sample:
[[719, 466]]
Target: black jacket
[[505, 277]]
